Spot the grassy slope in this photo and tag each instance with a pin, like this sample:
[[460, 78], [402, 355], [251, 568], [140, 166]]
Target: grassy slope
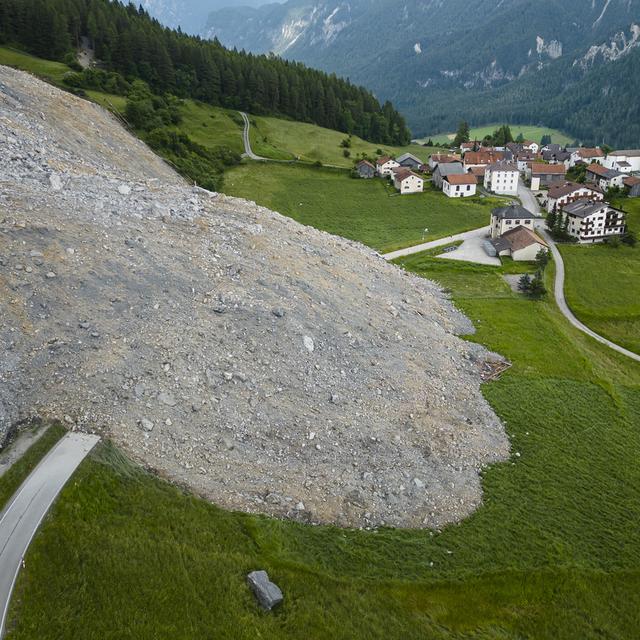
[[286, 139], [530, 132], [46, 69], [13, 478], [366, 210], [603, 285], [554, 552]]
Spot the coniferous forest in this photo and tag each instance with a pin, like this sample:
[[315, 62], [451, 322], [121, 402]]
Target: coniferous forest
[[130, 43]]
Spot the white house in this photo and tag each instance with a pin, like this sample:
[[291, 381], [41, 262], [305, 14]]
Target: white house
[[459, 185], [629, 156], [560, 195], [385, 165], [586, 155], [534, 147], [593, 221], [405, 181], [504, 219], [502, 177], [520, 243], [604, 178]]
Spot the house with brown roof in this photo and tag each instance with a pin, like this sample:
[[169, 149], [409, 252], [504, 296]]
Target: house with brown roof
[[520, 243], [459, 185], [531, 146], [604, 178], [632, 184], [561, 194], [546, 175], [443, 158], [385, 165], [478, 172], [588, 155], [481, 158], [405, 181], [365, 169]]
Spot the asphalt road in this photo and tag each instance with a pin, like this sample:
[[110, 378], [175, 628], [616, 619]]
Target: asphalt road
[[27, 508], [246, 140]]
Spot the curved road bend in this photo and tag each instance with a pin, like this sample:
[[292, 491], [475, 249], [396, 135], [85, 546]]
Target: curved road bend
[[529, 202], [27, 508], [246, 140]]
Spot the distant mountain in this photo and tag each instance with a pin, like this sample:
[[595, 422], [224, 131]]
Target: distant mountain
[[191, 15], [570, 64]]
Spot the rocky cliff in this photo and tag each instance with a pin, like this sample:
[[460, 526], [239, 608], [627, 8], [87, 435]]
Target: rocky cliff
[[271, 367]]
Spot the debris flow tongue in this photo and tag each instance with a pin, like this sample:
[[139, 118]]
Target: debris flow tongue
[[269, 366]]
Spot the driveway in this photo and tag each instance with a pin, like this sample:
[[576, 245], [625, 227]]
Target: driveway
[[467, 235], [21, 519], [472, 250], [527, 198]]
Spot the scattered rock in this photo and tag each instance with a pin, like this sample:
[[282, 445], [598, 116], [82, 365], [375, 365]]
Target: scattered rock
[[266, 592]]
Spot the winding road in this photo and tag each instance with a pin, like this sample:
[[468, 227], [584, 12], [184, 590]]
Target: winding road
[[248, 151], [22, 517]]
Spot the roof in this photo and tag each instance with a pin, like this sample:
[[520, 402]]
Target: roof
[[603, 172], [513, 212], [567, 188], [500, 244], [478, 172], [587, 152], [631, 181], [630, 153], [482, 157], [502, 166], [548, 169], [520, 237], [383, 160], [405, 173], [407, 156], [623, 163], [365, 162], [449, 168], [465, 178], [583, 208], [444, 157]]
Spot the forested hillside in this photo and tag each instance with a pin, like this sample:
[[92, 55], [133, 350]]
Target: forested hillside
[[128, 41]]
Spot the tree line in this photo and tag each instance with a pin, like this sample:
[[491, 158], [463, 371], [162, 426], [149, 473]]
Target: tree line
[[127, 41]]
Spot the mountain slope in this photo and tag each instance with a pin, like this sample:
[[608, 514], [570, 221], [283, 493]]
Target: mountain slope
[[428, 55]]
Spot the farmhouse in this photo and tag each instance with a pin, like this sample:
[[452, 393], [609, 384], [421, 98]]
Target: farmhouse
[[520, 243], [442, 158], [533, 147], [630, 156], [459, 186], [409, 160], [587, 155], [603, 177], [562, 194], [506, 218], [482, 158], [545, 175], [632, 183], [502, 177], [384, 166], [591, 221], [446, 169], [365, 169], [405, 181]]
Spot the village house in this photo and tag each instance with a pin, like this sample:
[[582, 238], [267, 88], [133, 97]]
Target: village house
[[385, 165], [546, 175], [504, 219], [478, 172], [557, 157], [591, 221], [520, 244], [632, 184], [562, 194], [586, 155], [481, 158], [405, 181], [524, 160], [604, 178], [446, 169], [459, 185], [468, 146], [442, 158], [365, 169], [409, 160], [628, 159], [502, 177], [531, 146]]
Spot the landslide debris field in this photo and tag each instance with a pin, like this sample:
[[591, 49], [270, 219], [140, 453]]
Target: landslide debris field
[[271, 367]]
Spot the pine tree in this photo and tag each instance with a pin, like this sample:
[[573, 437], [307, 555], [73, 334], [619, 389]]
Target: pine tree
[[462, 135]]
